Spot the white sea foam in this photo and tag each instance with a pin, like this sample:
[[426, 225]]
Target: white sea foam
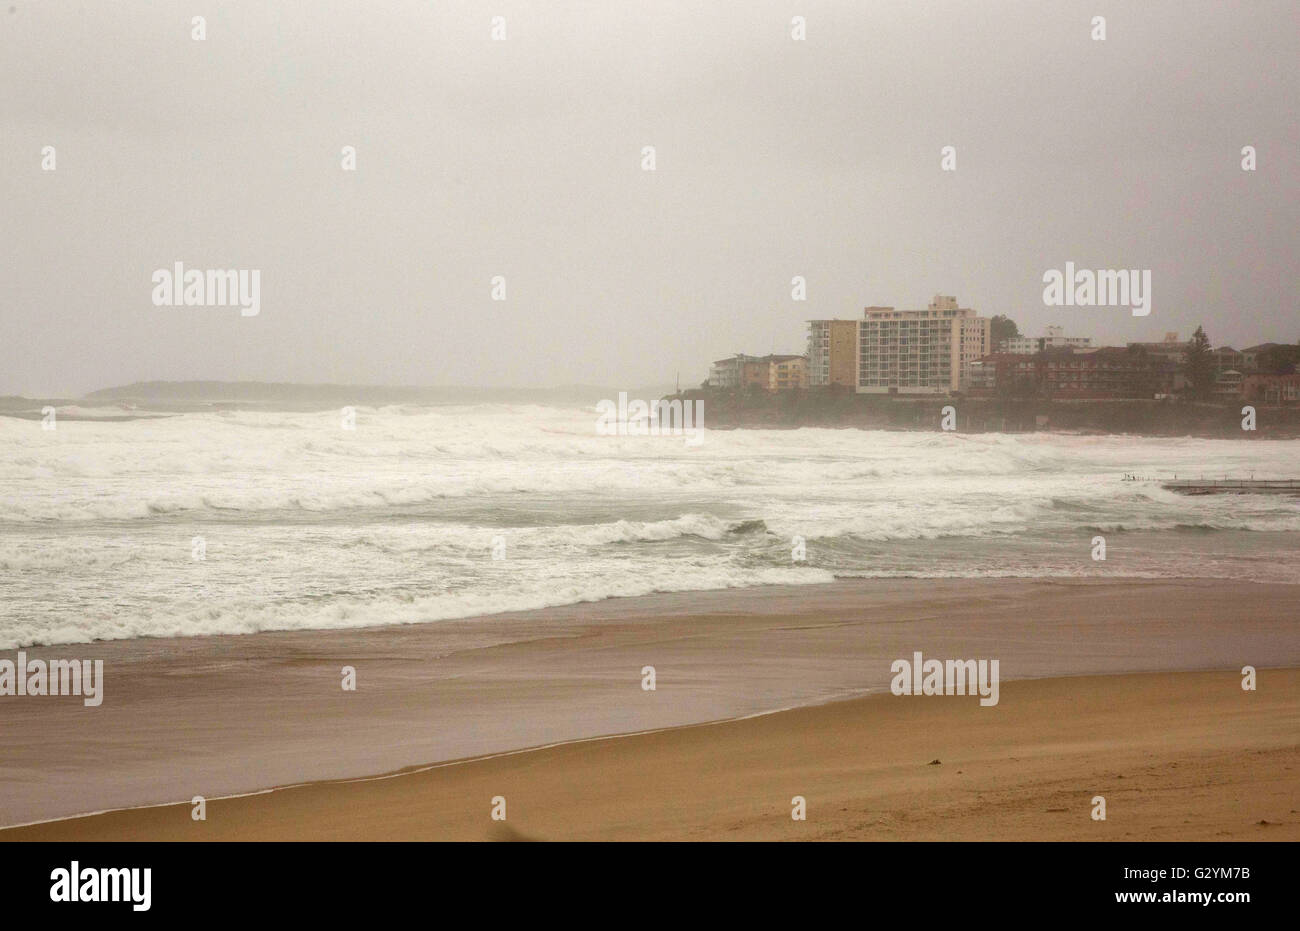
[[311, 526]]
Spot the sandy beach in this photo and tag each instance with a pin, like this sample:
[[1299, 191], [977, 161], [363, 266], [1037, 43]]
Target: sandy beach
[[1177, 756], [1181, 753]]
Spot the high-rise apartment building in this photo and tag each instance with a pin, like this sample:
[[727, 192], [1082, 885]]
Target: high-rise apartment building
[[919, 351], [833, 353]]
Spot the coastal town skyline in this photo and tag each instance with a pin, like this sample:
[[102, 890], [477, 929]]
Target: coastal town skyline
[[949, 350]]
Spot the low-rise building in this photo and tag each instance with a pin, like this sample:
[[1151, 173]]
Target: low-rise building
[[728, 373], [1264, 358], [787, 373], [1271, 389], [1107, 372], [770, 373], [983, 377], [1227, 384], [755, 372], [1170, 349], [724, 373], [1055, 338], [1225, 359]]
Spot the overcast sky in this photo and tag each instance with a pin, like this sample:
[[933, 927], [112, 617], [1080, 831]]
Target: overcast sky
[[522, 158]]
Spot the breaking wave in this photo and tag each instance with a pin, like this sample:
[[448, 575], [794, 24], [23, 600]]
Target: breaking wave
[[424, 514]]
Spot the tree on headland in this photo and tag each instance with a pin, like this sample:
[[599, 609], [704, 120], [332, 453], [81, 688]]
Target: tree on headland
[[1002, 327], [1200, 366]]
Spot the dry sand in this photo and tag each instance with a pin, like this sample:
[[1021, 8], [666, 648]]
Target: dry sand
[[1177, 756]]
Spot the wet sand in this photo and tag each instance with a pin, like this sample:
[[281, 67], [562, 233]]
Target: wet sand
[[221, 715], [1176, 756]]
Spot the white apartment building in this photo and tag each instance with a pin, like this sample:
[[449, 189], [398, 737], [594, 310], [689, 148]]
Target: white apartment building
[[919, 351], [1055, 339]]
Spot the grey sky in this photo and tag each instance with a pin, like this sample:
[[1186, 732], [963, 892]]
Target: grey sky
[[522, 158]]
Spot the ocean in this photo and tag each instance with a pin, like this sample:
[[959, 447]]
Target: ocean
[[234, 522]]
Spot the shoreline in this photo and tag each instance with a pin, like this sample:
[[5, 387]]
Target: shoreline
[[630, 786], [223, 715], [413, 770], [634, 600]]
